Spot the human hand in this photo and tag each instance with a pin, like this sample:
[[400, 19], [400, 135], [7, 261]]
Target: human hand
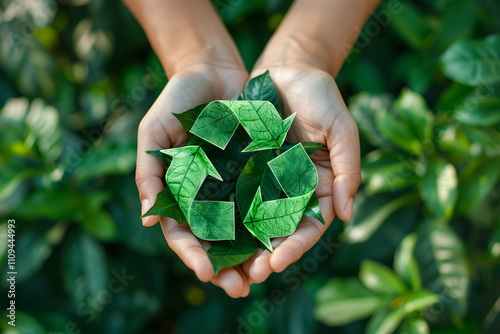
[[159, 129], [321, 116]]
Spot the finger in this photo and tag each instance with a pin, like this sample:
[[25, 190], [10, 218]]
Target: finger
[[343, 143], [246, 284], [148, 175], [189, 248], [305, 236], [257, 268], [231, 281]]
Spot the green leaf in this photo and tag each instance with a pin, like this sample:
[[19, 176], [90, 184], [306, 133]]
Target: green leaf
[[398, 134], [166, 206], [458, 20], [310, 147], [165, 158], [439, 188], [493, 244], [312, 210], [100, 224], [473, 62], [188, 169], [212, 220], [189, 117], [262, 88], [415, 325], [276, 218], [385, 320], [259, 118], [363, 108], [476, 181], [405, 264], [384, 170], [86, 269], [255, 174], [108, 158], [411, 25], [482, 111], [380, 279], [419, 300], [368, 216], [342, 301], [298, 178], [226, 254], [412, 108], [442, 261]]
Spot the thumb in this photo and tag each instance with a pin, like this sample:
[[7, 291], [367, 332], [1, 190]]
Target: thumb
[[343, 144]]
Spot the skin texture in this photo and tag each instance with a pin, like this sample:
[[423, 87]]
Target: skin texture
[[203, 64]]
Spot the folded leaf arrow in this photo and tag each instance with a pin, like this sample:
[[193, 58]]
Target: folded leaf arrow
[[189, 167], [219, 120], [297, 176]]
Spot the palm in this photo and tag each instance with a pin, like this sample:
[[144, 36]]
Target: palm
[[321, 116], [159, 130]]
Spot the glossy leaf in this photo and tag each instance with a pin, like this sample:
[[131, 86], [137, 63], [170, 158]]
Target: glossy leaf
[[384, 170], [166, 206], [412, 109], [397, 133], [482, 111], [405, 264], [312, 210], [342, 301], [368, 217], [188, 118], [231, 253], [441, 257], [415, 325], [476, 181], [439, 188], [385, 320], [380, 279], [259, 118], [262, 88], [363, 108], [473, 62], [255, 174], [298, 178]]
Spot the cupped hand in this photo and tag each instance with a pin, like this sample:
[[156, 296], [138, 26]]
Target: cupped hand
[[321, 116], [159, 129]]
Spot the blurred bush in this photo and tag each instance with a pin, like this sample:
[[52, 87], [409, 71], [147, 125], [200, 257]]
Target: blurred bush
[[421, 254]]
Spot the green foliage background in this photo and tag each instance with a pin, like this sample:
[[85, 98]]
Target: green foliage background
[[421, 254]]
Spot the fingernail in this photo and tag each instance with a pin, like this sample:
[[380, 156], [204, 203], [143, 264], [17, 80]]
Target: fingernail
[[348, 209], [145, 206]]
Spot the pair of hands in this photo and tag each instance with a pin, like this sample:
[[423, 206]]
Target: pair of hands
[[321, 116]]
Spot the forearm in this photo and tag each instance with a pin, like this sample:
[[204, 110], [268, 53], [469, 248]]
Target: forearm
[[184, 33], [318, 32]]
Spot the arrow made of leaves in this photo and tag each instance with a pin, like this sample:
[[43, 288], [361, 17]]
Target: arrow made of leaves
[[298, 178], [210, 220], [218, 121]]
